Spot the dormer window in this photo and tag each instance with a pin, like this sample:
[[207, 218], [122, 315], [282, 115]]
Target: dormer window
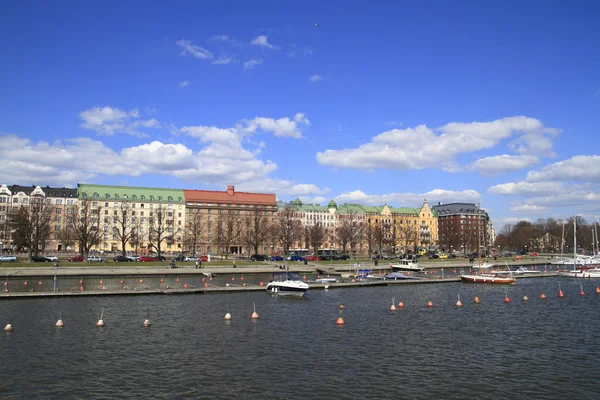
[[133, 197], [142, 197], [116, 196], [96, 195], [107, 195], [170, 198], [151, 198]]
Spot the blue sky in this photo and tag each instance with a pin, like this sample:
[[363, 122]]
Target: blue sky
[[497, 102]]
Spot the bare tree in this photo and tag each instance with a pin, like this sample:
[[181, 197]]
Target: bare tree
[[137, 238], [379, 235], [31, 224], [229, 229], [67, 236], [344, 233], [288, 228], [85, 225], [316, 234], [356, 232], [407, 235], [160, 228], [370, 238], [256, 230], [194, 231], [122, 226]]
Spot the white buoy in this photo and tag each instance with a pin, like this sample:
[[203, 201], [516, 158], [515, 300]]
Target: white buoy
[[60, 323], [228, 316], [100, 322], [147, 322], [8, 328], [326, 287]]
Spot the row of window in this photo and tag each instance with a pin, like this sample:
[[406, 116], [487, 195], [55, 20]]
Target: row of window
[[133, 197]]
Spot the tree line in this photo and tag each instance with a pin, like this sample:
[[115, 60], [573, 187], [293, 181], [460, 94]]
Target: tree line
[[548, 235]]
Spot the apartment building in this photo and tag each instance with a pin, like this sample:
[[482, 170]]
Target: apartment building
[[458, 227]]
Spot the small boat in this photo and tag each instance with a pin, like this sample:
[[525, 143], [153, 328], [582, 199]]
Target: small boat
[[526, 271], [287, 283], [325, 280], [499, 279], [581, 273], [407, 265], [395, 276]]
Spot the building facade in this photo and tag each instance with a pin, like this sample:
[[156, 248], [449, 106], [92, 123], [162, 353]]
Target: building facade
[[218, 222], [139, 212], [459, 225], [59, 202]]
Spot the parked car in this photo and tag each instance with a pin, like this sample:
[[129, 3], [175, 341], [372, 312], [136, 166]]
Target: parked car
[[8, 258], [122, 259], [443, 256], [148, 259], [259, 257], [433, 256], [344, 257], [180, 258], [203, 258], [534, 254], [276, 258], [52, 258], [189, 259], [295, 257], [39, 259], [96, 259], [134, 257], [76, 259], [314, 258]]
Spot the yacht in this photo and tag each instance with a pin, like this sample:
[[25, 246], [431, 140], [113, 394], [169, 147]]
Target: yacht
[[288, 283], [407, 265]]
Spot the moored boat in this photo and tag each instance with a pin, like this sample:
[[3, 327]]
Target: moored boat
[[395, 276], [287, 283], [499, 279], [407, 265]]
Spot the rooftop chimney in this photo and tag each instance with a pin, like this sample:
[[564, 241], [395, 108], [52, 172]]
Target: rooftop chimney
[[230, 190]]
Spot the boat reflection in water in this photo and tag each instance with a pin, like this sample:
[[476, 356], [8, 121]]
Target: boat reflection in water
[[287, 283]]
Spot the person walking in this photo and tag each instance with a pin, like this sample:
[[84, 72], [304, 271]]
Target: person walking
[[196, 264]]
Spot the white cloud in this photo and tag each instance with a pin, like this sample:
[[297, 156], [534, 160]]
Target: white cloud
[[252, 63], [528, 208], [308, 51], [422, 147], [503, 163], [282, 127], [184, 84], [303, 189], [409, 199], [577, 168], [223, 59], [222, 38], [526, 188], [197, 51], [262, 41], [109, 121], [500, 222], [315, 78]]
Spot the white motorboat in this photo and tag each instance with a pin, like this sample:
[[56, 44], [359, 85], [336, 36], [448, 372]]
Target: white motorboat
[[393, 276], [287, 283], [526, 271], [325, 280], [407, 265], [581, 273]]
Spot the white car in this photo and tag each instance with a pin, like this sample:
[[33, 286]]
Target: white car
[[96, 259], [8, 258], [52, 258]]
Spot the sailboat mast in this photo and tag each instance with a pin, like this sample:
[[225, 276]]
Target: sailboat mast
[[596, 234], [562, 240], [478, 240], [574, 239]]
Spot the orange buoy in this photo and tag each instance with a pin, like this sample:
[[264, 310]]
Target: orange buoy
[[340, 320], [542, 296], [185, 285], [581, 292], [100, 322], [506, 299], [206, 285], [233, 278], [401, 304], [453, 271], [81, 288], [177, 280], [342, 307], [162, 280], [242, 278], [476, 300], [5, 290], [8, 328], [598, 289], [39, 282], [210, 279], [101, 281], [458, 302], [318, 276], [25, 283], [81, 281], [254, 314], [141, 281], [122, 281], [203, 279], [261, 284], [429, 304], [393, 307], [561, 294], [5, 283], [304, 277]]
